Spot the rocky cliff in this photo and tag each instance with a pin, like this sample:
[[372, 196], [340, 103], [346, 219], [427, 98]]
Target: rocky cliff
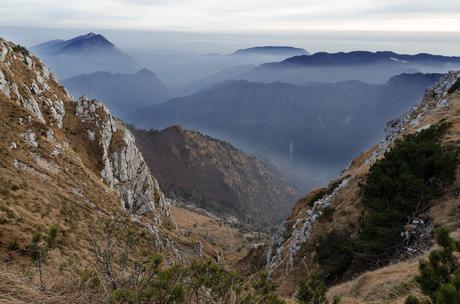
[[105, 141], [214, 175]]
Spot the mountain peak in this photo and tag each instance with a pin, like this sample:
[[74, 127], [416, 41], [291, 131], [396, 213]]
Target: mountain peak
[[90, 34], [146, 72], [89, 43]]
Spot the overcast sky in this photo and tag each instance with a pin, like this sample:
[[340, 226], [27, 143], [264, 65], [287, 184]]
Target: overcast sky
[[236, 15]]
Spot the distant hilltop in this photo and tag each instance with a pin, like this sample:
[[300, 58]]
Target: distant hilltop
[[88, 43], [84, 54], [272, 50]]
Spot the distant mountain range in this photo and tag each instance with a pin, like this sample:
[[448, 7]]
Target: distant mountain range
[[181, 69], [365, 57], [214, 175], [272, 51], [122, 93], [371, 67], [84, 54], [321, 124]]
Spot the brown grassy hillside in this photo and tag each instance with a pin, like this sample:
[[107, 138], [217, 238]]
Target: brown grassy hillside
[[214, 175]]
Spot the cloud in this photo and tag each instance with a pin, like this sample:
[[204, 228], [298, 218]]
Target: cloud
[[236, 15]]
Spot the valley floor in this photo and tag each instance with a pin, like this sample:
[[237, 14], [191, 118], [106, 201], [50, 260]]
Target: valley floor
[[231, 243]]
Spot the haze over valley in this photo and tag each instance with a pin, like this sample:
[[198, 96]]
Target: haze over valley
[[314, 111]]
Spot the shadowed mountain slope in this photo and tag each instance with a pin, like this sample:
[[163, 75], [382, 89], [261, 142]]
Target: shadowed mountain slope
[[214, 175]]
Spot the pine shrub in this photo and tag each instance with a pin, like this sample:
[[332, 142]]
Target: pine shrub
[[439, 277], [334, 252], [312, 290], [400, 186]]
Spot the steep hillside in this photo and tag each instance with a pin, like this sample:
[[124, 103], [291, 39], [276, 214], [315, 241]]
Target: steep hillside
[[122, 92], [293, 253], [314, 128], [75, 192], [214, 175]]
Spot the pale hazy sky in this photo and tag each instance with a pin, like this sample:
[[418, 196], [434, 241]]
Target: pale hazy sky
[[235, 16]]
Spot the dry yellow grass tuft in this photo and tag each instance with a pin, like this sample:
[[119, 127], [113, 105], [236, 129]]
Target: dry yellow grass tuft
[[391, 284]]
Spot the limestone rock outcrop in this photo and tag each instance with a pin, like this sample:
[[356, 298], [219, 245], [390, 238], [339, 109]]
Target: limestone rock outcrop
[[25, 81]]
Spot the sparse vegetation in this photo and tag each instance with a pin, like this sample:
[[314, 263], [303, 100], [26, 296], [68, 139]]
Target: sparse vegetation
[[455, 87], [21, 49], [319, 195], [37, 250], [328, 213], [439, 277], [313, 291], [13, 246], [263, 291], [127, 279]]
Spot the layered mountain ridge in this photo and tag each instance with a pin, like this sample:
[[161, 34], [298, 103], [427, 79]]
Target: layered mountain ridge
[[317, 127], [356, 65]]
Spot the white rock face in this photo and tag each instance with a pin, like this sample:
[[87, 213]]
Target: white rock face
[[91, 135], [301, 231], [3, 51], [57, 111], [441, 88], [50, 134], [124, 167], [4, 85], [31, 105], [15, 90], [30, 138], [35, 89], [443, 103], [49, 166], [29, 169]]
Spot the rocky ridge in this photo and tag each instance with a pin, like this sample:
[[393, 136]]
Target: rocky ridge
[[124, 168], [48, 104]]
